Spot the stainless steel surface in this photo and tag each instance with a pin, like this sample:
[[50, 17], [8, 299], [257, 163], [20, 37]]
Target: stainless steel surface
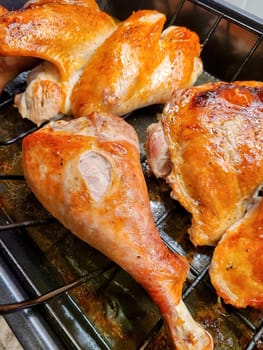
[[252, 6]]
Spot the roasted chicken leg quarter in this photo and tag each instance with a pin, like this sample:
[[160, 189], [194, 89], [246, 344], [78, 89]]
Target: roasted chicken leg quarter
[[81, 172], [211, 153], [138, 65]]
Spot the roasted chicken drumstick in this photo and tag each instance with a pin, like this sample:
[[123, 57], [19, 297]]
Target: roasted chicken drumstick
[[211, 153], [87, 173]]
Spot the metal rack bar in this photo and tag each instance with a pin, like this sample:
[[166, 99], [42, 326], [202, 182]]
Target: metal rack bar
[[211, 30], [256, 337], [248, 57], [18, 137], [25, 224], [14, 307], [177, 11], [220, 8]]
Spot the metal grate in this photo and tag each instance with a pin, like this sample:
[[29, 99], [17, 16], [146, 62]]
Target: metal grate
[[251, 321]]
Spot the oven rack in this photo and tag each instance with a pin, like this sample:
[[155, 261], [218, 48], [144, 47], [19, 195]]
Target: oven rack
[[220, 12]]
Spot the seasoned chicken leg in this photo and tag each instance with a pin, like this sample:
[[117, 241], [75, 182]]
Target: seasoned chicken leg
[[212, 154], [81, 172], [137, 65], [236, 269], [65, 34]]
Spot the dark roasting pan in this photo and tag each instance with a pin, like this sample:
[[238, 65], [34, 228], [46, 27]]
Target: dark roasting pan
[[108, 310]]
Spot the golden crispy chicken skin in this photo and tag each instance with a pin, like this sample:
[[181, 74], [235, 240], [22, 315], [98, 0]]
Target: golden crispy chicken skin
[[56, 32], [87, 173], [2, 10], [137, 65], [10, 67], [236, 269], [213, 135], [64, 34]]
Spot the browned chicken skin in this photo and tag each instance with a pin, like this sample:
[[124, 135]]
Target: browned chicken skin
[[137, 65], [213, 156], [56, 32], [86, 166], [10, 67], [2, 10], [236, 269], [62, 33], [53, 31]]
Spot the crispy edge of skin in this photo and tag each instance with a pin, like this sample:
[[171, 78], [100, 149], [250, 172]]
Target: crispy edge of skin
[[27, 32], [191, 127], [236, 268]]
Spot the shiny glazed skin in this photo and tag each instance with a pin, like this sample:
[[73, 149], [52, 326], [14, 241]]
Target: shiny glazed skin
[[54, 31], [236, 269], [138, 65], [118, 222], [11, 66], [64, 34], [214, 134]]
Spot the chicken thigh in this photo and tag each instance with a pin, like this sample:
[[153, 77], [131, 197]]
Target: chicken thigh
[[236, 269], [11, 66], [80, 171], [211, 154], [64, 34], [137, 65]]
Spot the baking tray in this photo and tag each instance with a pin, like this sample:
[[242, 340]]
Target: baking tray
[[38, 254]]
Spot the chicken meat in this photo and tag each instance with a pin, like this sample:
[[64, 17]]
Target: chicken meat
[[11, 66], [236, 268], [138, 65], [80, 170], [208, 147], [64, 34]]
